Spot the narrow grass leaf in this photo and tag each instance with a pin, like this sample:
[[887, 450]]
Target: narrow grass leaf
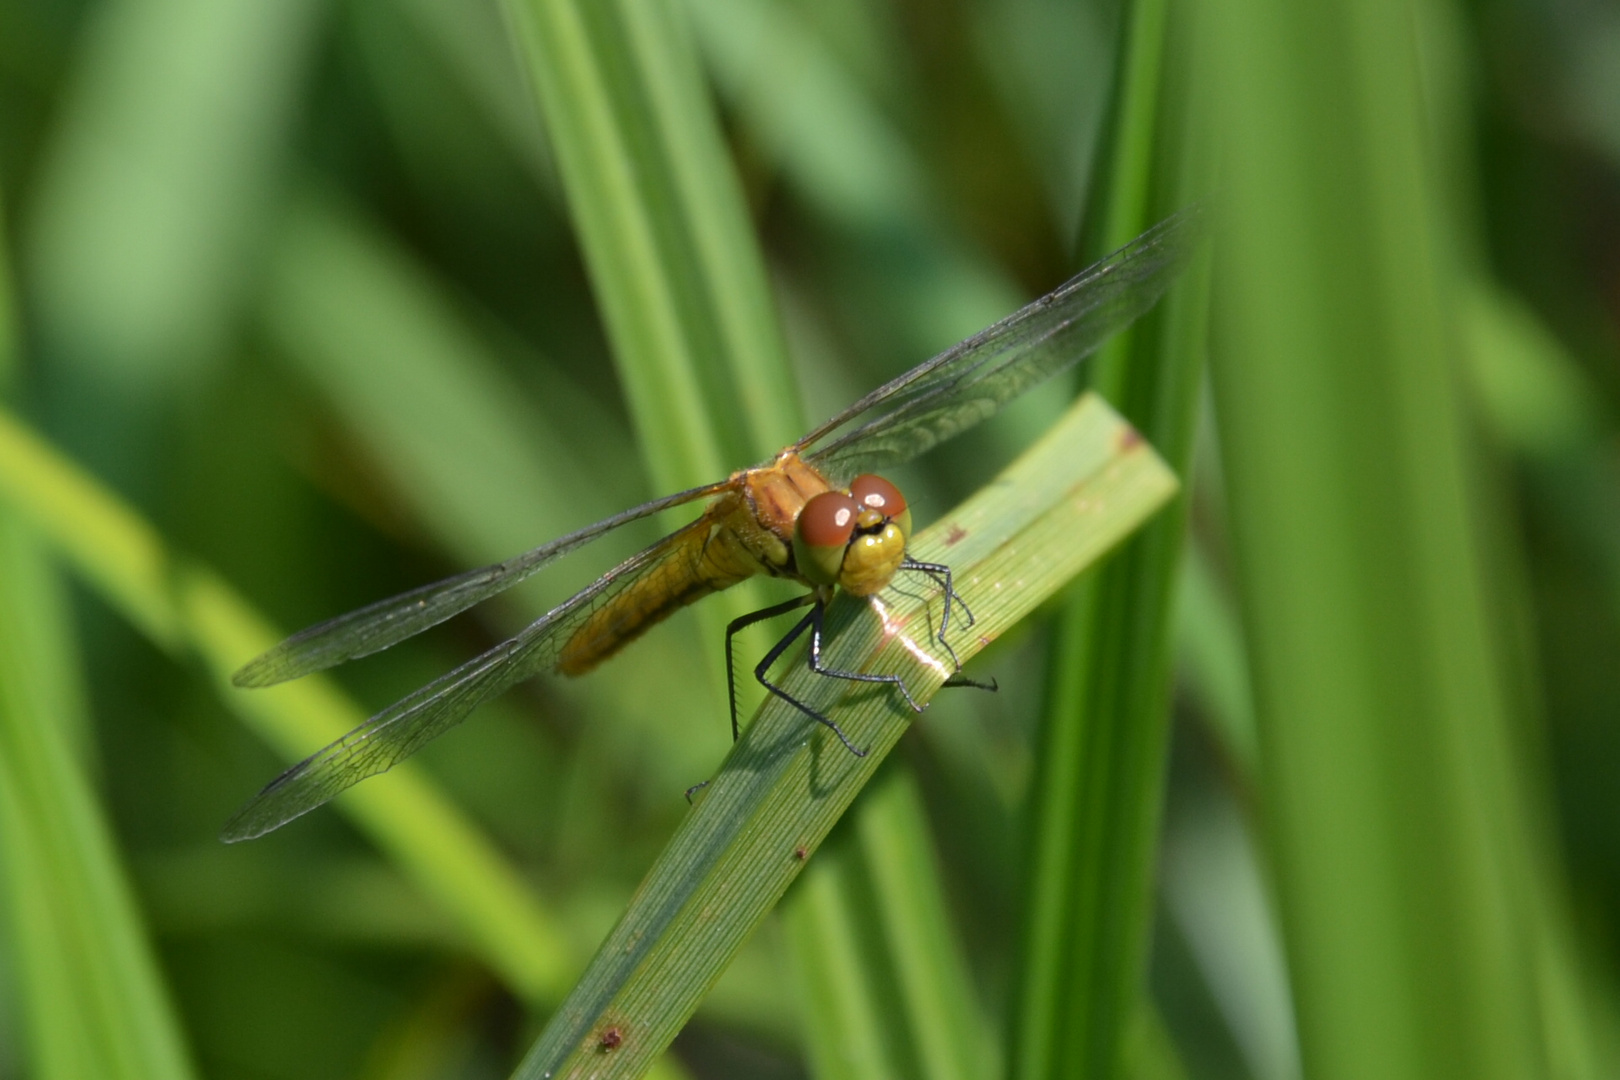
[[881, 969], [850, 1024], [92, 994], [683, 288], [664, 229], [1096, 802], [946, 1031], [665, 234]]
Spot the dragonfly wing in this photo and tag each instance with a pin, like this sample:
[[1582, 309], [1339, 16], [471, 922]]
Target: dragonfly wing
[[973, 380], [405, 726], [388, 622]]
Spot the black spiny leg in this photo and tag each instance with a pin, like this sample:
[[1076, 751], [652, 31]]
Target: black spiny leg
[[940, 574], [743, 622], [812, 619], [852, 676]]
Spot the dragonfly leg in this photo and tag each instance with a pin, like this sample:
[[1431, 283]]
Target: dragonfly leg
[[742, 622], [852, 676], [940, 574], [811, 620]]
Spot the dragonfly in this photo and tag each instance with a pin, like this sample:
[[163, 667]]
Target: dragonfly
[[818, 513]]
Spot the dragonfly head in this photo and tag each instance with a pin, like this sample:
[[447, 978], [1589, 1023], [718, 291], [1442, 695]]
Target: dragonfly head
[[854, 539]]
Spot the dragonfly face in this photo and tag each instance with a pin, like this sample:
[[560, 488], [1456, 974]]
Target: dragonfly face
[[853, 539], [816, 513]]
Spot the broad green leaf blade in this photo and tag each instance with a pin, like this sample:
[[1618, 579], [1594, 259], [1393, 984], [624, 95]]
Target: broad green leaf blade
[[1390, 771], [1074, 495], [187, 611]]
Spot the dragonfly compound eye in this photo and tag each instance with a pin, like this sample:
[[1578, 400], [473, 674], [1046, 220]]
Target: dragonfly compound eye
[[880, 495], [821, 535]]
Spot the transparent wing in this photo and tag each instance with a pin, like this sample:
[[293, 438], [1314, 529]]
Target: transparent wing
[[973, 380], [405, 726], [387, 622]]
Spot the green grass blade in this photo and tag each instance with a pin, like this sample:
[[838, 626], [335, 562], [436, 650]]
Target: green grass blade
[[946, 1031], [189, 612], [1073, 496], [662, 223], [1097, 798], [882, 971], [666, 238], [94, 998], [1388, 782], [849, 1023]]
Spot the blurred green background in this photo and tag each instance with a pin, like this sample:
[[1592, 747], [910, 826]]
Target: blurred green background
[[304, 286]]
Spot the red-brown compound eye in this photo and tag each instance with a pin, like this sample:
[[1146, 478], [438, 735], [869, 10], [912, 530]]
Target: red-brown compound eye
[[879, 494], [828, 519], [821, 535]]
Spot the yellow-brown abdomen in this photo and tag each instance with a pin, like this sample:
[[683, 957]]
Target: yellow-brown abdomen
[[703, 558]]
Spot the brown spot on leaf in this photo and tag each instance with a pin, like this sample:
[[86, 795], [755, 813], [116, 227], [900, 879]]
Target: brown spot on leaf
[[1130, 438], [955, 536], [612, 1038], [800, 853]]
